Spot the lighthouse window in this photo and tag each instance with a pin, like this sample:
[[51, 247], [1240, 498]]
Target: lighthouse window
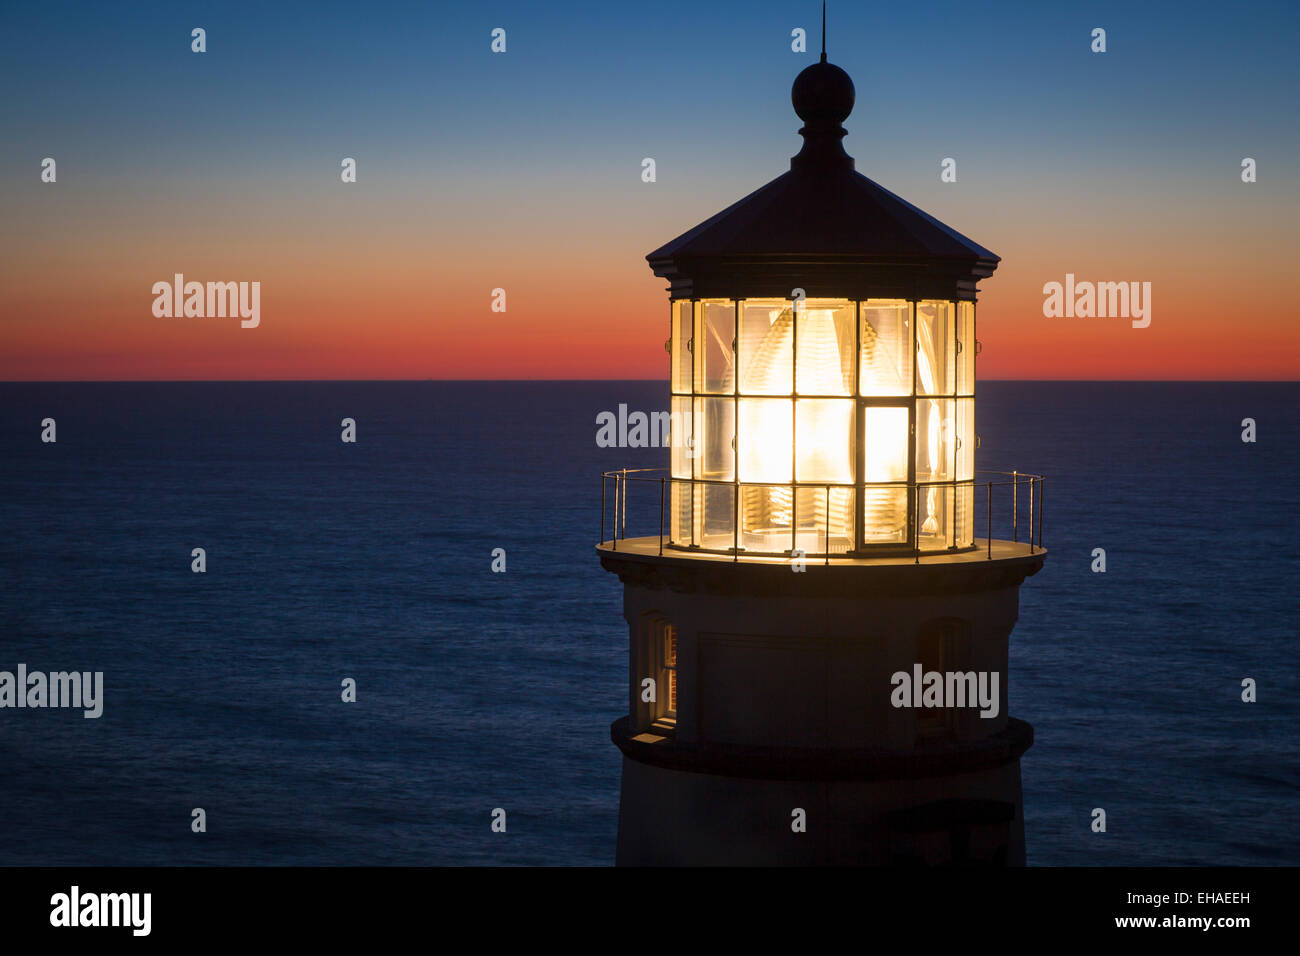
[[670, 669], [824, 445], [681, 516], [716, 422], [886, 350], [766, 517], [885, 443], [935, 516], [682, 437], [934, 439], [655, 706], [719, 508], [715, 347], [934, 348], [885, 514], [683, 332], [766, 345], [966, 348], [885, 433], [765, 433], [824, 342], [824, 519], [964, 439], [941, 646]]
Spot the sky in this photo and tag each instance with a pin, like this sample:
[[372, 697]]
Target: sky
[[522, 171]]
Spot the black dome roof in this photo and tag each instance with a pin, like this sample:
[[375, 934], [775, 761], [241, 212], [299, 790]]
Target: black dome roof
[[822, 226]]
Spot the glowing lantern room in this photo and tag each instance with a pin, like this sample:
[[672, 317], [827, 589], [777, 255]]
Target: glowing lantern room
[[822, 361]]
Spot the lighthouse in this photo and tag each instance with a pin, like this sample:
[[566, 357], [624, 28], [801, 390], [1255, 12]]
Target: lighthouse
[[818, 631]]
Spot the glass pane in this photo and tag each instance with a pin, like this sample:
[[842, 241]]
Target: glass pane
[[824, 343], [965, 348], [766, 347], [934, 348], [717, 427], [683, 447], [764, 439], [934, 516], [715, 347], [885, 515], [718, 518], [823, 430], [934, 439], [886, 360], [885, 453], [765, 515], [964, 519], [680, 512], [817, 529], [965, 439], [682, 332]]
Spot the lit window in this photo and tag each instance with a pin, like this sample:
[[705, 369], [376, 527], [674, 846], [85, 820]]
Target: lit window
[[668, 647]]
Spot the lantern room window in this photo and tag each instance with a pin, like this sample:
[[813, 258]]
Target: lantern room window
[[822, 425]]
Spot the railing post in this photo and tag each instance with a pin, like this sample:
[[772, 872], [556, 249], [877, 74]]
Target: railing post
[[988, 520], [1015, 502], [827, 544], [1040, 512], [602, 507], [916, 522], [623, 510], [794, 519], [735, 520], [662, 483], [1031, 516]]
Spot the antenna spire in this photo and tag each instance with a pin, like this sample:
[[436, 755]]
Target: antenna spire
[[823, 31]]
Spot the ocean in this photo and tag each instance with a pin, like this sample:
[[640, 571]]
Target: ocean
[[479, 690]]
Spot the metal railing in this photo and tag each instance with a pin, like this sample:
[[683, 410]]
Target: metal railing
[[1024, 496]]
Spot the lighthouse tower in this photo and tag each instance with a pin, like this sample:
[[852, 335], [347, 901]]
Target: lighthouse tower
[[818, 637]]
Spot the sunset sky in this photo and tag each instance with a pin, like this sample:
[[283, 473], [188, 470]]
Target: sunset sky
[[522, 171]]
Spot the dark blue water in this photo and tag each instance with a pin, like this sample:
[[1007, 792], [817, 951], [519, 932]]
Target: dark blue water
[[478, 690]]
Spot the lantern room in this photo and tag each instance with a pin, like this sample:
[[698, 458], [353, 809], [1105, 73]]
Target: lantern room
[[823, 425], [822, 356]]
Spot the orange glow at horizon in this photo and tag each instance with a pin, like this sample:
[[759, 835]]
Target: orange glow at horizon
[[415, 303], [313, 334]]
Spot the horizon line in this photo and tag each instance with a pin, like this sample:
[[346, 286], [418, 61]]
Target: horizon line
[[560, 381]]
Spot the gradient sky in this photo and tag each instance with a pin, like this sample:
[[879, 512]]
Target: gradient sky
[[522, 171]]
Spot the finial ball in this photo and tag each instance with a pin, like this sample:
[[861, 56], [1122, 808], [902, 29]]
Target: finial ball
[[822, 93]]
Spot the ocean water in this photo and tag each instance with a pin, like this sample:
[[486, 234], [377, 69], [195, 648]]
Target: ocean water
[[478, 690]]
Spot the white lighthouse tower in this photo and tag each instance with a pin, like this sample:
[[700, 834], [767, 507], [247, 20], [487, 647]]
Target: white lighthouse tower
[[818, 638]]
